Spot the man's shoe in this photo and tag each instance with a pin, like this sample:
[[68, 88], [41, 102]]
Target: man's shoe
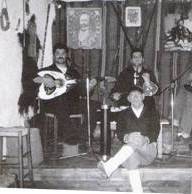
[[101, 166]]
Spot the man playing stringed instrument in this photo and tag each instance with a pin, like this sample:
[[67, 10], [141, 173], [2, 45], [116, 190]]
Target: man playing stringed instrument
[[60, 92]]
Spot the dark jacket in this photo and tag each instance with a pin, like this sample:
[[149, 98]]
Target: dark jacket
[[125, 82], [148, 123], [68, 100]]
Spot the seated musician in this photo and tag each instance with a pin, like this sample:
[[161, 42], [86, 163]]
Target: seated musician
[[135, 75], [138, 129], [63, 104]]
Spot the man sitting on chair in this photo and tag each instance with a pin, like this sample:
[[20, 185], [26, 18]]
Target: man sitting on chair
[[62, 104], [138, 129]]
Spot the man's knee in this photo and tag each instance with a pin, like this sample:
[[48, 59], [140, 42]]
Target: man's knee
[[136, 140], [133, 162]]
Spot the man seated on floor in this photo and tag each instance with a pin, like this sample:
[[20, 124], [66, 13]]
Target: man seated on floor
[[138, 129]]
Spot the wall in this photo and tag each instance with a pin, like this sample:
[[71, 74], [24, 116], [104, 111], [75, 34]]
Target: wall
[[11, 58]]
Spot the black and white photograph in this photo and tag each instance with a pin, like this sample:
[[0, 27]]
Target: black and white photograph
[[96, 96]]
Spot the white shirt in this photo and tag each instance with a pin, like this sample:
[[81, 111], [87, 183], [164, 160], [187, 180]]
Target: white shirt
[[137, 112], [62, 68]]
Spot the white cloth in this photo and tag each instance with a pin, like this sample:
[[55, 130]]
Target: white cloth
[[135, 181]]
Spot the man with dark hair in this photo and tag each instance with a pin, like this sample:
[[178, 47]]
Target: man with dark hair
[[135, 75], [138, 129], [63, 104]]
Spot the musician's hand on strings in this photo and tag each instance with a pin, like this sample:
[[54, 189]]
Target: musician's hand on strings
[[48, 81], [116, 96]]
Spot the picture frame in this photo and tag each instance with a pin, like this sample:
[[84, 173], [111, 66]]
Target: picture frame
[[84, 28], [133, 16]]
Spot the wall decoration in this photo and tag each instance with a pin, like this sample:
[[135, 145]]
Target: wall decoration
[[133, 16], [84, 28], [4, 17], [178, 28]]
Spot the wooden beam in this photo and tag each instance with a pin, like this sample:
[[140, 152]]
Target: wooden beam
[[157, 37], [122, 41], [104, 39]]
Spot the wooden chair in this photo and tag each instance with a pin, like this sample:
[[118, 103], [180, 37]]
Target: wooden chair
[[19, 133], [50, 138]]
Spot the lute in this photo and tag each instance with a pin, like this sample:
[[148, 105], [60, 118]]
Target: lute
[[61, 84]]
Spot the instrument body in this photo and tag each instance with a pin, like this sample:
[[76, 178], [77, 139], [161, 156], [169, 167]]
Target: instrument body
[[61, 86]]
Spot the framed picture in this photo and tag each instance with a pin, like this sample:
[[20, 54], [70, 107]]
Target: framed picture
[[84, 28], [177, 26], [133, 16]]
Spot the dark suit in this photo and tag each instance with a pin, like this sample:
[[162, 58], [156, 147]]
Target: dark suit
[[125, 83], [62, 106]]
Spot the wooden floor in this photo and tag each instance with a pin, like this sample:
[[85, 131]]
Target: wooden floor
[[172, 174]]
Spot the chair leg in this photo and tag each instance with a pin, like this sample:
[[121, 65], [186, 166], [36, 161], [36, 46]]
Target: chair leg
[[45, 131], [55, 134], [20, 155], [29, 157]]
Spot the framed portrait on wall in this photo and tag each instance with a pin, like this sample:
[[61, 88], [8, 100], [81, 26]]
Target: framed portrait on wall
[[133, 16], [84, 28], [177, 26]]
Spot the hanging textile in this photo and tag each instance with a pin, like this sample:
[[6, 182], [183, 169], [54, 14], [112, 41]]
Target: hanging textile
[[34, 43]]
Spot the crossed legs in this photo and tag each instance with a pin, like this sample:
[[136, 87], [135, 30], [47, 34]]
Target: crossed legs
[[131, 156]]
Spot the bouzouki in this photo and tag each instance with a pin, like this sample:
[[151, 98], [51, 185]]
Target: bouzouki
[[61, 84]]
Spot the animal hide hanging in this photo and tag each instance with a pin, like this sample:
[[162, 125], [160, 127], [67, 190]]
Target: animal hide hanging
[[31, 45], [28, 97]]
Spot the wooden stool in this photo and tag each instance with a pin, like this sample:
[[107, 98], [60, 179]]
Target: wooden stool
[[19, 132]]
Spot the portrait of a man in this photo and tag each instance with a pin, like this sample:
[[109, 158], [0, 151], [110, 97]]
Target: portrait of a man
[[84, 28]]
